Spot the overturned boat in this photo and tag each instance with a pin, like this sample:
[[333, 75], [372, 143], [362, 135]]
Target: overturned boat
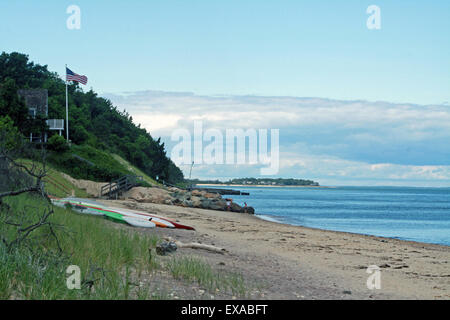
[[131, 217]]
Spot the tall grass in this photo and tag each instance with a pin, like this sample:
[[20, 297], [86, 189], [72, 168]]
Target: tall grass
[[195, 270], [113, 260], [110, 258]]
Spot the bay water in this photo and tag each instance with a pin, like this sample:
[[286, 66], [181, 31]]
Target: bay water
[[416, 214]]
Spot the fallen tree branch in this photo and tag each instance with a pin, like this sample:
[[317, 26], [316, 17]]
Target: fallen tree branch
[[196, 245], [18, 192]]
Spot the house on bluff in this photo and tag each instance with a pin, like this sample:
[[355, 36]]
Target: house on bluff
[[36, 101]]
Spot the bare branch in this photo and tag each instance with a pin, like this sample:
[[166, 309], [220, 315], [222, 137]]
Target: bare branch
[[18, 192]]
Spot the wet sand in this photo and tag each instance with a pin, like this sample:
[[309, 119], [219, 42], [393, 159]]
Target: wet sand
[[291, 262]]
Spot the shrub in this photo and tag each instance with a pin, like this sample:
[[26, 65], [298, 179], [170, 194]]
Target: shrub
[[57, 143]]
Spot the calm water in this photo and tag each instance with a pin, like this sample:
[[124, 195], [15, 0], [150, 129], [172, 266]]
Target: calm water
[[417, 214]]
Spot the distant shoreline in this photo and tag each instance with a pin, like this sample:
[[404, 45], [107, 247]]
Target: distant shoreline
[[256, 185]]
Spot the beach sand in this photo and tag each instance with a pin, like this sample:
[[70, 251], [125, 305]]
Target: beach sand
[[291, 262]]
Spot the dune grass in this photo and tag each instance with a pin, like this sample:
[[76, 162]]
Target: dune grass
[[111, 259], [114, 261], [196, 270]]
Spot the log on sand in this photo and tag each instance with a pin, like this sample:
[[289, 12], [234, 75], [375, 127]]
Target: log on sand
[[195, 245]]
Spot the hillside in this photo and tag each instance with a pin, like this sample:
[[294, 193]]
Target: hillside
[[96, 128], [59, 184]]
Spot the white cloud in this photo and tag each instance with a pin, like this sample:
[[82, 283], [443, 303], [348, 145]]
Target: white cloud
[[319, 138]]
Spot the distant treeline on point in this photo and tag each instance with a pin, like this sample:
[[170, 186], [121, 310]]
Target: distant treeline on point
[[260, 181]]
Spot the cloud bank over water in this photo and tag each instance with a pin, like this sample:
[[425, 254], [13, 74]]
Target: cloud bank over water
[[333, 142]]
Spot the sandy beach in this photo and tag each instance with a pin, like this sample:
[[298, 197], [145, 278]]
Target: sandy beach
[[291, 262]]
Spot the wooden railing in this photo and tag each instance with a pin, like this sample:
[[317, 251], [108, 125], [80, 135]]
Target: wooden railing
[[116, 188]]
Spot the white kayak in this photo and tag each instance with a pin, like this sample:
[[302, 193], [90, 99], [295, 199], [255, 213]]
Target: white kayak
[[134, 218], [140, 223]]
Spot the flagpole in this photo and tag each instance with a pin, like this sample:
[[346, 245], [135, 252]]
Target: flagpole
[[67, 109]]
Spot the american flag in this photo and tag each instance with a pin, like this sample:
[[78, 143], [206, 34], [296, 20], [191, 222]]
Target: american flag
[[72, 76]]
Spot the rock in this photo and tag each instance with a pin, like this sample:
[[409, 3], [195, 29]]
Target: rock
[[212, 195], [249, 210], [149, 195], [214, 204], [187, 203], [218, 205], [206, 204], [196, 201], [236, 208], [346, 292], [400, 267], [196, 193], [179, 197], [166, 247]]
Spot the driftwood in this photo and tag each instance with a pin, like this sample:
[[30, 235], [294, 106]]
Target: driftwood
[[196, 245]]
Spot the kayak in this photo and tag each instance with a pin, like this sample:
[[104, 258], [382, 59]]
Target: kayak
[[77, 206], [134, 218]]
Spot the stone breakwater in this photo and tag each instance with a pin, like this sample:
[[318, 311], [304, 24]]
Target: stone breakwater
[[183, 198]]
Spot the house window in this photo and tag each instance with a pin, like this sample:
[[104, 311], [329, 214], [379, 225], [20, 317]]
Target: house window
[[32, 112]]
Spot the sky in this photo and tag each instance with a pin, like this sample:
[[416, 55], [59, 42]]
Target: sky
[[354, 106]]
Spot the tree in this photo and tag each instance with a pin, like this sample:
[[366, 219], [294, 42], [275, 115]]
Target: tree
[[10, 103], [17, 179], [93, 120], [78, 134], [10, 137]]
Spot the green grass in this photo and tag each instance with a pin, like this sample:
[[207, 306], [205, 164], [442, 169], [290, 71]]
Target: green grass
[[56, 190], [195, 270], [134, 170], [86, 162], [117, 257], [95, 165], [114, 259], [62, 188]]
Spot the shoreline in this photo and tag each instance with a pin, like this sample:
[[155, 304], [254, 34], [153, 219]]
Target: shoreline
[[296, 262], [420, 243], [258, 216]]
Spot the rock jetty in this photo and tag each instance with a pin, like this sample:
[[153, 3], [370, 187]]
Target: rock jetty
[[179, 197]]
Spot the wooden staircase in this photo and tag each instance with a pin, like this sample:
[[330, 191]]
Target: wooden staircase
[[115, 189]]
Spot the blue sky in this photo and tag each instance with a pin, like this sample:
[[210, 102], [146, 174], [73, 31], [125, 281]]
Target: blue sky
[[266, 48], [297, 48]]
